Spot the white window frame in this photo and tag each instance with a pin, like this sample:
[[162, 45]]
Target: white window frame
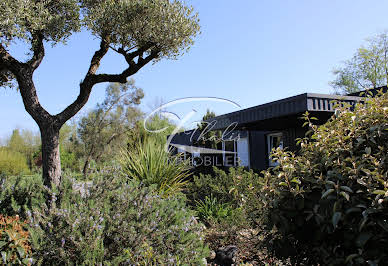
[[269, 148], [249, 152], [224, 154]]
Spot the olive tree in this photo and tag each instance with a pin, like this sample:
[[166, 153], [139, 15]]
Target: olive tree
[[140, 30]]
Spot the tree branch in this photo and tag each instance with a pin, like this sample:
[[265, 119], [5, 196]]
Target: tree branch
[[129, 57], [86, 85], [132, 69], [23, 74], [92, 78], [98, 55], [7, 62], [38, 50]]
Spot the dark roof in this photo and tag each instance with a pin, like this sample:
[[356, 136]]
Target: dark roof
[[185, 137], [311, 102]]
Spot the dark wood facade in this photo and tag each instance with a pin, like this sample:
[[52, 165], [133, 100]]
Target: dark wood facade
[[278, 118]]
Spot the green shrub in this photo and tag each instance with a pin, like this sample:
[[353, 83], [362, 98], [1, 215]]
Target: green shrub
[[117, 223], [12, 163], [217, 184], [210, 210], [15, 246], [69, 161], [151, 164], [226, 201], [332, 198], [237, 188], [20, 194]]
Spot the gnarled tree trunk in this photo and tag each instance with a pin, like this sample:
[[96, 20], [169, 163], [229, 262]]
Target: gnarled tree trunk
[[50, 155], [51, 124]]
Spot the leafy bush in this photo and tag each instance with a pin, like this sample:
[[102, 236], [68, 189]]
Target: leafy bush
[[12, 163], [227, 202], [15, 246], [210, 210], [20, 194], [69, 161], [151, 164], [332, 198], [218, 184], [238, 188], [117, 223]]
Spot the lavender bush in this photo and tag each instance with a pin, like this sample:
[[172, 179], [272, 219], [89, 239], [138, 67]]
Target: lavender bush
[[20, 194], [117, 223]]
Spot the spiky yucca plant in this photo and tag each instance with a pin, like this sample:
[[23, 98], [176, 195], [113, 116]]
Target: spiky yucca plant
[[151, 164]]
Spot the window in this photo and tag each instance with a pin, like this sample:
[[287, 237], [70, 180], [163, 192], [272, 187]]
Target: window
[[274, 140], [229, 157], [243, 152]]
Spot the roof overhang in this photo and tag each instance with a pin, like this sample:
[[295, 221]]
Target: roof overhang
[[279, 113]]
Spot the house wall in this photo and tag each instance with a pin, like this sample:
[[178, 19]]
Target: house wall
[[290, 135], [258, 146], [257, 150]]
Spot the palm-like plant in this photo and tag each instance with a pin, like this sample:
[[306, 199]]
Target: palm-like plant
[[151, 164]]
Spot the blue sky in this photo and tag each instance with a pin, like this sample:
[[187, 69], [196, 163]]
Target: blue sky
[[250, 52]]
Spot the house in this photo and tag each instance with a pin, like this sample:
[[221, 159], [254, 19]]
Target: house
[[250, 134]]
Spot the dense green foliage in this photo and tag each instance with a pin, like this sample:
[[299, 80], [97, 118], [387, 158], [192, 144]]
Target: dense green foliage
[[211, 211], [15, 248], [21, 147], [20, 194], [235, 187], [117, 222], [57, 19], [12, 163], [332, 198], [70, 147], [26, 143], [326, 205], [368, 68], [22, 152], [230, 203], [169, 24], [151, 164]]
